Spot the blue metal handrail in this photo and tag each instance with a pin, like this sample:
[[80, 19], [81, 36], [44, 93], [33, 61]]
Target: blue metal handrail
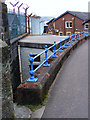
[[67, 41]]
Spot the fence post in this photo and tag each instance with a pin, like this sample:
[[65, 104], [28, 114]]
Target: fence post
[[54, 50], [79, 35], [65, 44], [69, 40], [60, 46], [46, 63], [75, 37], [31, 79], [72, 38], [83, 33]]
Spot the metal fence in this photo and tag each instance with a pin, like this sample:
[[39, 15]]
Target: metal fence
[[62, 44], [17, 24]]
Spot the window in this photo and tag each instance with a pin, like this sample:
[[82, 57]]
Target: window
[[86, 26], [68, 33], [61, 34], [68, 24]]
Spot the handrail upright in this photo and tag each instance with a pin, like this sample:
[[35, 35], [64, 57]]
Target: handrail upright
[[31, 79], [69, 41], [46, 63], [54, 50], [72, 38], [65, 44], [60, 49], [75, 37]]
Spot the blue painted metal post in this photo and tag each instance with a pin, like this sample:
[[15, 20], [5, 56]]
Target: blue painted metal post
[[31, 79], [79, 35], [65, 44], [54, 50], [75, 37], [46, 63], [84, 33], [72, 38], [69, 40], [60, 46]]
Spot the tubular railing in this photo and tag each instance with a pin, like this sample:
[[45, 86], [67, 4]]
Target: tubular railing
[[67, 41]]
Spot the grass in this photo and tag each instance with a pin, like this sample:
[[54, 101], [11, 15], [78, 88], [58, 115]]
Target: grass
[[36, 107]]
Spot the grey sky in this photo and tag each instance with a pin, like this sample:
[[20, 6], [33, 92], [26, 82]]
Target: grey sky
[[54, 7]]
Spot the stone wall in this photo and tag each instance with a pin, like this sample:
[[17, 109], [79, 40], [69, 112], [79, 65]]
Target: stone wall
[[14, 65], [13, 48], [5, 83], [4, 31], [6, 99]]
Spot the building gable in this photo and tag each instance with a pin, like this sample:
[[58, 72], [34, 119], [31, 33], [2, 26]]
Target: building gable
[[81, 15]]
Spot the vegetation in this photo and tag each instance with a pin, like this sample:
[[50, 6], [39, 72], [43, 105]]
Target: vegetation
[[36, 107]]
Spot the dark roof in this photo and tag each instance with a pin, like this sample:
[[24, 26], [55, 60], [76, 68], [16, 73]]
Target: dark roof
[[86, 21], [50, 20], [81, 15]]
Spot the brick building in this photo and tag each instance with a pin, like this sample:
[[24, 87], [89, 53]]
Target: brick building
[[68, 23]]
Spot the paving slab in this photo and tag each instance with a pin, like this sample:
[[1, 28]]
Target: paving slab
[[38, 113], [22, 111]]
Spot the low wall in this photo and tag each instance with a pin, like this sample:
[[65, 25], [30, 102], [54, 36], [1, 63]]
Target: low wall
[[5, 83], [33, 93]]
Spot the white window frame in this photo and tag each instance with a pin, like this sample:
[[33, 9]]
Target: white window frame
[[68, 24], [61, 32], [85, 26], [68, 33]]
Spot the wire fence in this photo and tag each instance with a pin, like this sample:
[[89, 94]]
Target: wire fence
[[17, 24]]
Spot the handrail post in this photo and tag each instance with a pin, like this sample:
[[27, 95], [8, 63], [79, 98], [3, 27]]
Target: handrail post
[[83, 33], [75, 37], [60, 46], [79, 35], [31, 79], [46, 63], [72, 38], [69, 40], [54, 50], [65, 44]]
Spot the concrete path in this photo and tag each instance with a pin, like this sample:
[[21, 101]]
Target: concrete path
[[69, 93], [22, 112]]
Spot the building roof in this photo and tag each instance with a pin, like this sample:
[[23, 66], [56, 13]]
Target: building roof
[[86, 21], [50, 21], [81, 15], [36, 17]]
